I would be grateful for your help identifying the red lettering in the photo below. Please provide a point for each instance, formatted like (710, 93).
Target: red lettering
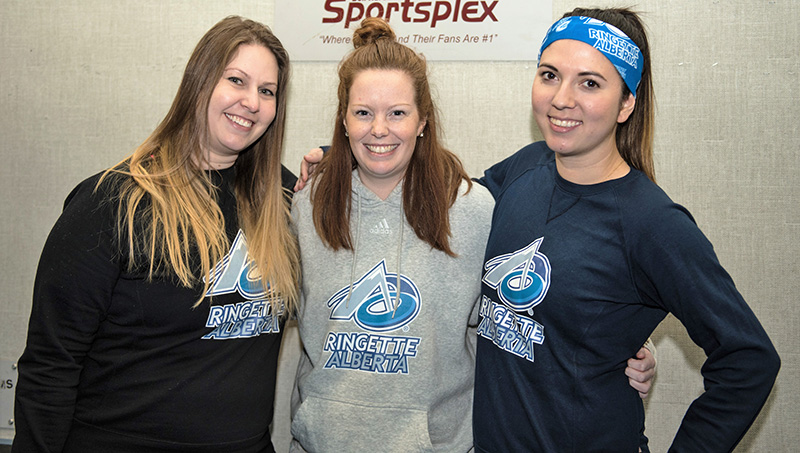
(391, 7)
(406, 5)
(411, 11)
(351, 10)
(437, 16)
(487, 10)
(332, 9)
(425, 13)
(372, 7)
(469, 11)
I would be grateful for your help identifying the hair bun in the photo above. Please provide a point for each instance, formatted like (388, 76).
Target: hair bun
(371, 30)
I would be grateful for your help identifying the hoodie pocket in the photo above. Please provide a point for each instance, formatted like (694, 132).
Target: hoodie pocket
(322, 425)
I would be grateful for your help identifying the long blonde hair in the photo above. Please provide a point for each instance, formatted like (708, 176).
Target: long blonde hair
(168, 209)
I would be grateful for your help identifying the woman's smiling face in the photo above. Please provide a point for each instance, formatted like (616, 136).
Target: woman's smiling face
(577, 99)
(242, 105)
(383, 123)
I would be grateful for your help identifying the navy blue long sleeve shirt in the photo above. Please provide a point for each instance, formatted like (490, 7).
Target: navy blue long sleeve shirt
(576, 278)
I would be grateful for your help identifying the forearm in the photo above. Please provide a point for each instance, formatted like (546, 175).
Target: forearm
(43, 409)
(737, 386)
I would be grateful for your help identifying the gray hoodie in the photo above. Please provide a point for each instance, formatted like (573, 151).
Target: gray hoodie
(377, 375)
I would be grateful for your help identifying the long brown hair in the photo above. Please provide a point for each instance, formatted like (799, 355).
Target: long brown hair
(431, 181)
(167, 205)
(635, 136)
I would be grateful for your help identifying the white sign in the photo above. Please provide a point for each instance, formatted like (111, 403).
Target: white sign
(8, 385)
(322, 30)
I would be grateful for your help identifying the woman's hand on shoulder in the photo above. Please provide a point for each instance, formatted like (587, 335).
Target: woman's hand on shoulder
(307, 167)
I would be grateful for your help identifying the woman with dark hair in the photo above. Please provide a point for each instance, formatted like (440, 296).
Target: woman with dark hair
(587, 255)
(392, 236)
(161, 291)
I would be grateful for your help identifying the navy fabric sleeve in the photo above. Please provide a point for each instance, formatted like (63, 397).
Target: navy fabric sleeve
(77, 272)
(494, 177)
(677, 268)
(501, 174)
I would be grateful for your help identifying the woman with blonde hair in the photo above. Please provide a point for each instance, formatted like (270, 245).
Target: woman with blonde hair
(161, 291)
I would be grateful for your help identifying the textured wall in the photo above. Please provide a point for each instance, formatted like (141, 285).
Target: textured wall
(84, 81)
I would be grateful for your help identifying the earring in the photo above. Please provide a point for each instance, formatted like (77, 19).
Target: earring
(421, 134)
(346, 134)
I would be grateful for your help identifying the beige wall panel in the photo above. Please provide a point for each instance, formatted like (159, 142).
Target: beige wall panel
(84, 81)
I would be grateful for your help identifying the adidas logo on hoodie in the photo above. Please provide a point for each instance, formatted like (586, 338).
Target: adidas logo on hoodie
(381, 228)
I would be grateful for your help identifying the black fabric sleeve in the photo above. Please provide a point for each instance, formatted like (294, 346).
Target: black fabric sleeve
(74, 282)
(287, 179)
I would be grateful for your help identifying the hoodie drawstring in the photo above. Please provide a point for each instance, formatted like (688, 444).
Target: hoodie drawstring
(397, 301)
(355, 249)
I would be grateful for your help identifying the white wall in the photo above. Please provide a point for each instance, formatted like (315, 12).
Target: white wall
(82, 82)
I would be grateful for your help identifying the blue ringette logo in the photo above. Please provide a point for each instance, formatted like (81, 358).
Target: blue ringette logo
(236, 272)
(375, 304)
(520, 278)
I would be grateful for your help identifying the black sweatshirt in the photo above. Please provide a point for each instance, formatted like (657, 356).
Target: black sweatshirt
(115, 362)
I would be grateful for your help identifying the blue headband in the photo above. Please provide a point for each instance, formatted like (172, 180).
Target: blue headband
(620, 50)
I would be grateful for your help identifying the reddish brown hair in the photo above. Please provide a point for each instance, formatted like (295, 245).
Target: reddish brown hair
(431, 182)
